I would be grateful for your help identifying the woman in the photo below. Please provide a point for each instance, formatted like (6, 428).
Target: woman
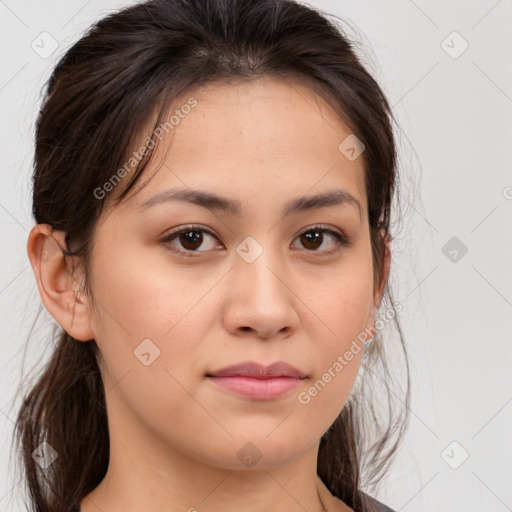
(212, 194)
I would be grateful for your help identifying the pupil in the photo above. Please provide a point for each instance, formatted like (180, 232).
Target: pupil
(192, 239)
(313, 237)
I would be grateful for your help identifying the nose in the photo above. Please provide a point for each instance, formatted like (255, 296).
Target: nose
(261, 302)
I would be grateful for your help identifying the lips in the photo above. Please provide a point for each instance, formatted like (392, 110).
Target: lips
(259, 371)
(256, 381)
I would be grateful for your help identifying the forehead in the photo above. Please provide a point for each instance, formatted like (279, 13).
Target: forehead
(266, 136)
(267, 116)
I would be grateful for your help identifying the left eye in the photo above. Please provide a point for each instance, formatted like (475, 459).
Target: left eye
(316, 236)
(191, 238)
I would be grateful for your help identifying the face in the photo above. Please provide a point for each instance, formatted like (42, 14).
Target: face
(259, 281)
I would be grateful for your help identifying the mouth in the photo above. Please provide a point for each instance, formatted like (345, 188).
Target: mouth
(258, 389)
(257, 381)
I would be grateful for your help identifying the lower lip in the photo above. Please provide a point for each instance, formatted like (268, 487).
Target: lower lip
(259, 389)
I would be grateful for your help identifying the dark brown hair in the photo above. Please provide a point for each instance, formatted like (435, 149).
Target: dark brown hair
(121, 77)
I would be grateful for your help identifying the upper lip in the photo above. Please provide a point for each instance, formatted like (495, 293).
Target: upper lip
(259, 371)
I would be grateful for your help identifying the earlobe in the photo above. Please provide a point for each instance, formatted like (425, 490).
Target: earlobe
(59, 289)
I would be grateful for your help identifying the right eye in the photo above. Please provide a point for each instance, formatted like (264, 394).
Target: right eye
(190, 238)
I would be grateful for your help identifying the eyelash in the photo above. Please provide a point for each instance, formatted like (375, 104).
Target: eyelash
(341, 241)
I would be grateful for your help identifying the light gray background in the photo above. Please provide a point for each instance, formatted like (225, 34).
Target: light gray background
(455, 138)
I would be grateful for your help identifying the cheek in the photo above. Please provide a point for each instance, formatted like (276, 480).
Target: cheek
(139, 294)
(344, 308)
(339, 352)
(346, 300)
(145, 332)
(347, 313)
(152, 314)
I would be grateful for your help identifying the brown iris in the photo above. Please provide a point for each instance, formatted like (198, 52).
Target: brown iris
(191, 239)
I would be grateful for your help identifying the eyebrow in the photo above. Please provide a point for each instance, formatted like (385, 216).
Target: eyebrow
(215, 202)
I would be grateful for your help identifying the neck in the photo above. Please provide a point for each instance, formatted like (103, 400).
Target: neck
(150, 475)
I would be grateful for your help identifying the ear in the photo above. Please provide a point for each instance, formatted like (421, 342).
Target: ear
(379, 287)
(59, 290)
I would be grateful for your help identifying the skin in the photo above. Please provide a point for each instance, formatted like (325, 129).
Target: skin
(174, 434)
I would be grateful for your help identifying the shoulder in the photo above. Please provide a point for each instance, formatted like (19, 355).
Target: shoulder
(337, 505)
(376, 506)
